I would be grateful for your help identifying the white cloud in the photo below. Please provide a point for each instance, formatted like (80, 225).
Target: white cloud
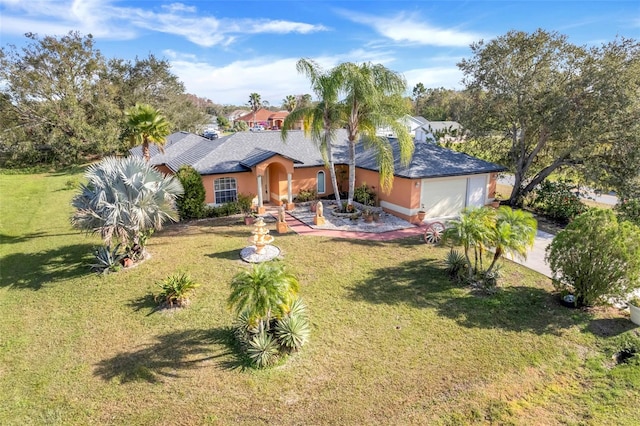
(434, 77)
(105, 19)
(412, 28)
(273, 78)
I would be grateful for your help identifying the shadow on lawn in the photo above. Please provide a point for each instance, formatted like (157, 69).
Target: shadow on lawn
(171, 355)
(34, 270)
(424, 284)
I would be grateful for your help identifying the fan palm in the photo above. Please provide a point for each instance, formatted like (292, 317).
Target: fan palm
(289, 103)
(514, 233)
(124, 198)
(263, 292)
(146, 124)
(320, 121)
(374, 99)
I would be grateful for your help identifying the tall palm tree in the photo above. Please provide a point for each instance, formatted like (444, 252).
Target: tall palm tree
(255, 103)
(146, 124)
(320, 121)
(373, 100)
(263, 292)
(289, 103)
(514, 233)
(124, 198)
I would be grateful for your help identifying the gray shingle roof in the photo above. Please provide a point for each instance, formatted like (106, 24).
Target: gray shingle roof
(243, 150)
(429, 161)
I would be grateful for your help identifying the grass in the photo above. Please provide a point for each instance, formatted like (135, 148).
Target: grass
(393, 341)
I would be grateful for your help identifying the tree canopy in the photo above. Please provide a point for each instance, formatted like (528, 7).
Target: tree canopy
(543, 105)
(63, 102)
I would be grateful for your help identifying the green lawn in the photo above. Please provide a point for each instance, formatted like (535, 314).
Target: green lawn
(393, 341)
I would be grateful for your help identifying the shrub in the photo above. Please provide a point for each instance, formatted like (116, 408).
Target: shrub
(107, 259)
(557, 200)
(596, 258)
(226, 209)
(175, 289)
(263, 350)
(191, 203)
(245, 203)
(306, 195)
(364, 195)
(456, 265)
(292, 331)
(629, 209)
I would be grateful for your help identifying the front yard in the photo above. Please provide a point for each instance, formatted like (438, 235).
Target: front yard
(393, 341)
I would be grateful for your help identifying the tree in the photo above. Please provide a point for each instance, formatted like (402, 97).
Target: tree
(191, 203)
(547, 104)
(146, 124)
(264, 292)
(373, 99)
(514, 233)
(322, 119)
(596, 257)
(289, 103)
(419, 91)
(303, 101)
(255, 103)
(124, 199)
(150, 81)
(223, 122)
(57, 101)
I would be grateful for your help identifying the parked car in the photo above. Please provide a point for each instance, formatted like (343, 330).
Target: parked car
(210, 135)
(256, 129)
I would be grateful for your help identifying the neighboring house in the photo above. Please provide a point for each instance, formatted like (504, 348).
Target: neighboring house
(265, 118)
(423, 130)
(233, 116)
(437, 180)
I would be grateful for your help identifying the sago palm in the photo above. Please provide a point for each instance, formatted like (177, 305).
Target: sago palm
(264, 292)
(146, 124)
(320, 121)
(123, 198)
(374, 98)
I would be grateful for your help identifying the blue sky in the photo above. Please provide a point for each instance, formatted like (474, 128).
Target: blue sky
(225, 50)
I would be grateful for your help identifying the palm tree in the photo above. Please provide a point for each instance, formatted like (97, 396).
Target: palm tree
(374, 99)
(255, 103)
(263, 292)
(289, 103)
(125, 198)
(320, 121)
(471, 230)
(146, 124)
(514, 233)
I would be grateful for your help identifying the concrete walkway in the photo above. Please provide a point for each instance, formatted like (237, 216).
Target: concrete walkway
(535, 257)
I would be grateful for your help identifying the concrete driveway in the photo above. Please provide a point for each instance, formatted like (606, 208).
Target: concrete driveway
(535, 257)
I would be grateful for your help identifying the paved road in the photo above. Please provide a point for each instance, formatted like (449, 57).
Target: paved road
(590, 194)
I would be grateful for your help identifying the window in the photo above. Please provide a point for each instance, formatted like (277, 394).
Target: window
(320, 184)
(225, 190)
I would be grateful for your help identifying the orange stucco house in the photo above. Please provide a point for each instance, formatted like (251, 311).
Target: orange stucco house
(264, 117)
(438, 181)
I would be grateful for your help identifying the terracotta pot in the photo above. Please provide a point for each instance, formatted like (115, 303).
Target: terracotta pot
(290, 206)
(249, 220)
(127, 262)
(421, 215)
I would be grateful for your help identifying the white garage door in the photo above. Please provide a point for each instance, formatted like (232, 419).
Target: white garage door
(443, 198)
(476, 191)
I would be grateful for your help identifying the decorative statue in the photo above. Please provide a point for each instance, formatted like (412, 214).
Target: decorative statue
(281, 214)
(319, 209)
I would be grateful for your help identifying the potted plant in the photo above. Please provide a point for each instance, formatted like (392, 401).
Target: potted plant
(634, 309)
(421, 215)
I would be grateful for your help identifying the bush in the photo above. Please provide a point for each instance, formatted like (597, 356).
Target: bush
(456, 265)
(557, 200)
(191, 203)
(175, 289)
(596, 258)
(629, 209)
(306, 195)
(107, 259)
(226, 209)
(245, 203)
(364, 195)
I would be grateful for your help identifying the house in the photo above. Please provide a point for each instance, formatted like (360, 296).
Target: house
(423, 130)
(233, 116)
(265, 118)
(437, 180)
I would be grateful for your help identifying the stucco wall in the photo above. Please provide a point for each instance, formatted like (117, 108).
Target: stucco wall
(403, 197)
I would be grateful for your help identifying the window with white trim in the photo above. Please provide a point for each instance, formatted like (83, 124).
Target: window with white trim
(225, 190)
(320, 187)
